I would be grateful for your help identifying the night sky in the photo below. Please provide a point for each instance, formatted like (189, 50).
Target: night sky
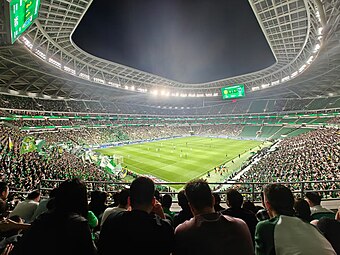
(191, 41)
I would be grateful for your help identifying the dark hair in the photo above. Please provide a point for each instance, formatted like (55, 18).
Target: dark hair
(249, 205)
(302, 209)
(123, 196)
(199, 194)
(3, 186)
(71, 197)
(280, 198)
(314, 197)
(142, 191)
(33, 195)
(182, 199)
(166, 201)
(217, 198)
(234, 198)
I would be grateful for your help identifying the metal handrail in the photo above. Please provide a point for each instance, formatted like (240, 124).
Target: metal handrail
(253, 195)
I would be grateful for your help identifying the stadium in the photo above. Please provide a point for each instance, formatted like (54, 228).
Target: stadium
(66, 113)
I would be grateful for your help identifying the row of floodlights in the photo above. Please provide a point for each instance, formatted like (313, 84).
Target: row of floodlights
(301, 69)
(155, 92)
(42, 55)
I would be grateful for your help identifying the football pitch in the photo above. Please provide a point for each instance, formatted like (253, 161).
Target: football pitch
(180, 159)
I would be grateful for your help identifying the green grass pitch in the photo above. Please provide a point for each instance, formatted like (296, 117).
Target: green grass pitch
(180, 159)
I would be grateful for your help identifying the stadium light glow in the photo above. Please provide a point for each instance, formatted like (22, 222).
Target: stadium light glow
(27, 42)
(30, 94)
(154, 92)
(98, 80)
(287, 78)
(255, 88)
(40, 54)
(14, 92)
(316, 48)
(199, 95)
(265, 85)
(276, 82)
(320, 30)
(132, 88)
(294, 74)
(84, 76)
(54, 62)
(310, 60)
(215, 94)
(69, 70)
(302, 68)
(191, 95)
(317, 14)
(142, 90)
(126, 87)
(114, 84)
(208, 94)
(183, 95)
(165, 93)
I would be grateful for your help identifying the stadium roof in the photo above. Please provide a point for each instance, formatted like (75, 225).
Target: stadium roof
(303, 36)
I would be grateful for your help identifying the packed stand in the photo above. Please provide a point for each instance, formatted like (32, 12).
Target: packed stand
(308, 157)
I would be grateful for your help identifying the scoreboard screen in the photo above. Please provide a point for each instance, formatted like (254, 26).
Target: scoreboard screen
(235, 91)
(22, 13)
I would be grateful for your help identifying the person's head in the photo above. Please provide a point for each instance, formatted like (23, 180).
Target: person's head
(302, 209)
(51, 201)
(279, 200)
(200, 197)
(142, 192)
(217, 198)
(182, 200)
(313, 198)
(4, 190)
(234, 198)
(34, 195)
(250, 206)
(166, 201)
(71, 197)
(123, 198)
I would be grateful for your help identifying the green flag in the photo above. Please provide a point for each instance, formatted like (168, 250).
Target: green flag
(27, 145)
(39, 144)
(108, 164)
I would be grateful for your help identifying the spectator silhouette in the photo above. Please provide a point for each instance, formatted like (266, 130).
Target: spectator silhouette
(318, 211)
(249, 205)
(138, 230)
(302, 209)
(43, 204)
(217, 205)
(283, 233)
(262, 213)
(185, 212)
(210, 232)
(4, 191)
(63, 230)
(26, 209)
(234, 201)
(330, 228)
(98, 205)
(166, 204)
(123, 205)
